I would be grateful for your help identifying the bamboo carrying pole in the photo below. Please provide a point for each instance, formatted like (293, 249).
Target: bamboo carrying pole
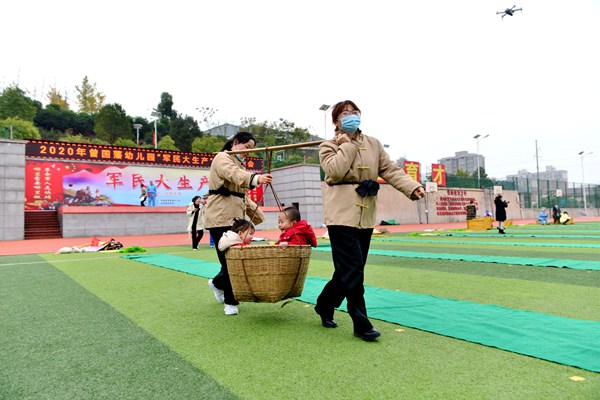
(276, 148)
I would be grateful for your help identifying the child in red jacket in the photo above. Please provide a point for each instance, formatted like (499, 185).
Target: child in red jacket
(294, 230)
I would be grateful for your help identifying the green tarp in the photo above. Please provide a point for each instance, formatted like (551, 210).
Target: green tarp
(418, 240)
(563, 340)
(536, 262)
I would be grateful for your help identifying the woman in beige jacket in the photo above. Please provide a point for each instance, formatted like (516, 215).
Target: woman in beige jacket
(195, 213)
(227, 200)
(352, 163)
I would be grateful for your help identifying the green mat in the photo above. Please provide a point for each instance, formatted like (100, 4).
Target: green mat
(562, 340)
(536, 262)
(523, 234)
(532, 244)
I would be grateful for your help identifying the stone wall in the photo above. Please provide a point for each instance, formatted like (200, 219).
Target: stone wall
(125, 221)
(298, 184)
(445, 205)
(12, 189)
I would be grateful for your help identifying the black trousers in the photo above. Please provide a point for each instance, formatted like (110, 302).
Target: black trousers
(221, 280)
(196, 237)
(349, 250)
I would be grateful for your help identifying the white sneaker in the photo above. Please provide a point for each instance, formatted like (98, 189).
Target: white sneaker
(219, 294)
(231, 310)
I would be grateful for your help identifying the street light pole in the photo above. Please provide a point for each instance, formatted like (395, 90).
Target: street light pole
(156, 115)
(583, 153)
(137, 128)
(478, 137)
(324, 108)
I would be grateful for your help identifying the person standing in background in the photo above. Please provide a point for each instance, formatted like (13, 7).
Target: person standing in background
(500, 212)
(195, 213)
(151, 191)
(556, 214)
(471, 209)
(143, 195)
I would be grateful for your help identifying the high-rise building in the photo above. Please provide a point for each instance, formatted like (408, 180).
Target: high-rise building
(464, 161)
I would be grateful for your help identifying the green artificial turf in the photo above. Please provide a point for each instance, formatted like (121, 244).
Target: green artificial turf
(59, 341)
(269, 352)
(525, 332)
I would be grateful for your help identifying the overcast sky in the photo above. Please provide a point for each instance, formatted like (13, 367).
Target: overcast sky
(428, 75)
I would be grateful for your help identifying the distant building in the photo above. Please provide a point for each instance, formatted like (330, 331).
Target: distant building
(464, 161)
(227, 130)
(551, 178)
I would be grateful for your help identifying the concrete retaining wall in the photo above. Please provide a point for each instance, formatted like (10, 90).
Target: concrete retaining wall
(12, 189)
(298, 184)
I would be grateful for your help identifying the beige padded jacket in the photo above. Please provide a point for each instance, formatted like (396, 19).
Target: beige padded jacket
(228, 171)
(361, 159)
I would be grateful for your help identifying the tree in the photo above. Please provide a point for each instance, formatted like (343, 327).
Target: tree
(206, 116)
(279, 133)
(145, 131)
(112, 123)
(463, 174)
(165, 107)
(14, 103)
(20, 129)
(89, 98)
(208, 144)
(125, 143)
(166, 143)
(55, 97)
(183, 130)
(52, 117)
(482, 173)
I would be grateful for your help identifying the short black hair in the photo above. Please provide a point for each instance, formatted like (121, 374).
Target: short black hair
(292, 213)
(241, 225)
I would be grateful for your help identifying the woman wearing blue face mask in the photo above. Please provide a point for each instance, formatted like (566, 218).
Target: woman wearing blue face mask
(352, 161)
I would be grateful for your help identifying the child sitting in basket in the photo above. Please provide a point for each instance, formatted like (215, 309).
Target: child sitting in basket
(240, 234)
(294, 230)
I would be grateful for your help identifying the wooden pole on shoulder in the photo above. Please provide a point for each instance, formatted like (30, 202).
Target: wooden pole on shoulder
(276, 148)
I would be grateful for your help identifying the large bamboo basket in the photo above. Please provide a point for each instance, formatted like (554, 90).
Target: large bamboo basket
(267, 274)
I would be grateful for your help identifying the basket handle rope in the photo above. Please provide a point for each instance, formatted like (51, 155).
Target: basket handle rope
(269, 159)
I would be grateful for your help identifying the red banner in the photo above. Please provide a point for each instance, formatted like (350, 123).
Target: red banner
(59, 173)
(438, 174)
(124, 155)
(412, 168)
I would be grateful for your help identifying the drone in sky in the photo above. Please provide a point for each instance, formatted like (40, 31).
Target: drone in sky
(509, 11)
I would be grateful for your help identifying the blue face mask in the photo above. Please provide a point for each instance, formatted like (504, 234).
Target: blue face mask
(350, 123)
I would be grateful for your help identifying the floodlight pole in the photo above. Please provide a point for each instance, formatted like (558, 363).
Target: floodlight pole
(478, 137)
(324, 108)
(137, 128)
(156, 116)
(582, 153)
